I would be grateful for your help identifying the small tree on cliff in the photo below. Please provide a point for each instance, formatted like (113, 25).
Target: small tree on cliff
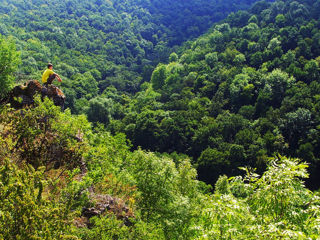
(9, 60)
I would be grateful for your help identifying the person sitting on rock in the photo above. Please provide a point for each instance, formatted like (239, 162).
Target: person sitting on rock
(49, 75)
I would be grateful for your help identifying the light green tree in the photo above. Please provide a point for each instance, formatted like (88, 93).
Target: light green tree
(158, 77)
(9, 60)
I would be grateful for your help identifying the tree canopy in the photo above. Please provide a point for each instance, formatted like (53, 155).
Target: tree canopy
(182, 122)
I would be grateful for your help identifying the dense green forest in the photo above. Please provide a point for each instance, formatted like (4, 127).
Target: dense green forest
(167, 134)
(102, 43)
(60, 178)
(247, 90)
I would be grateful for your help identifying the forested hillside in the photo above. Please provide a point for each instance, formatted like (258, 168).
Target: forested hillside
(167, 134)
(97, 44)
(62, 179)
(246, 90)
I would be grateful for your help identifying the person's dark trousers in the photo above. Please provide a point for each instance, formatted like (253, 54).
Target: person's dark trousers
(44, 91)
(50, 79)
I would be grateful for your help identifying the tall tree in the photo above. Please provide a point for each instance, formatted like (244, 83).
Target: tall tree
(9, 60)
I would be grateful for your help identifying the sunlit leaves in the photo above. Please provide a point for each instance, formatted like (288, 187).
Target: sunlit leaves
(9, 60)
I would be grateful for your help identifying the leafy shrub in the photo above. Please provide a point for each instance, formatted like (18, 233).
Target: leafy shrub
(27, 210)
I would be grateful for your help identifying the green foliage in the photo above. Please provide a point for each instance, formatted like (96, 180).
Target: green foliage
(239, 83)
(169, 195)
(108, 227)
(256, 66)
(246, 90)
(100, 110)
(275, 205)
(211, 59)
(44, 135)
(277, 82)
(162, 195)
(158, 77)
(222, 185)
(9, 60)
(98, 44)
(173, 57)
(26, 210)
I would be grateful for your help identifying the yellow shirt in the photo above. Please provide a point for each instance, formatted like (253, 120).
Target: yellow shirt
(46, 74)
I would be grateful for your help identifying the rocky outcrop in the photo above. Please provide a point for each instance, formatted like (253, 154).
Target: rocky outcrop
(104, 204)
(23, 95)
